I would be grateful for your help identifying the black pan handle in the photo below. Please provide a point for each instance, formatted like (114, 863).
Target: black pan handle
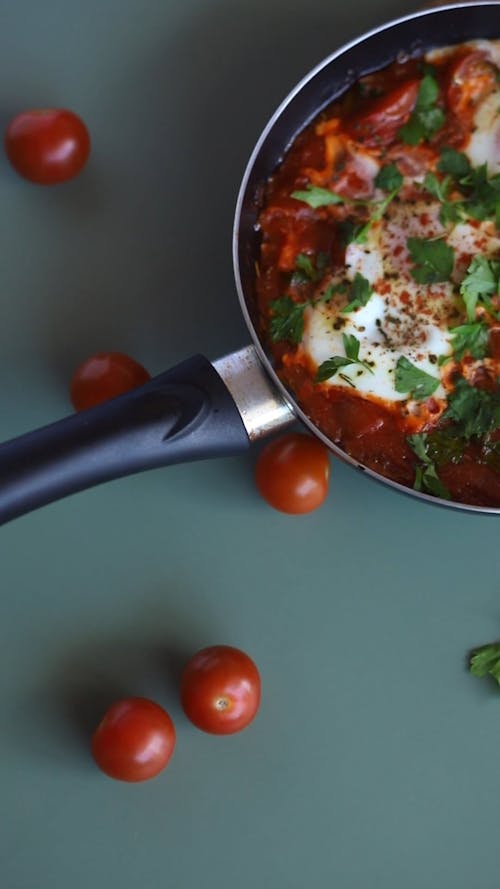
(183, 414)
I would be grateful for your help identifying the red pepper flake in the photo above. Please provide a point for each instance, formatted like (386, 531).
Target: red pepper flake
(382, 286)
(432, 405)
(404, 297)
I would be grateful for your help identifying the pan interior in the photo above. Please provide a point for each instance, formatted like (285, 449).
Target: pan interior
(407, 37)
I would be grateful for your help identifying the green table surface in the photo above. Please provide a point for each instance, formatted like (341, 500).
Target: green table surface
(374, 761)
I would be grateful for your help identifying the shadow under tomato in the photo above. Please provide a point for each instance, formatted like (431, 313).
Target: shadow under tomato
(144, 657)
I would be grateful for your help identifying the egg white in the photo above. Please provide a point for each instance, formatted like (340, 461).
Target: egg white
(484, 144)
(403, 317)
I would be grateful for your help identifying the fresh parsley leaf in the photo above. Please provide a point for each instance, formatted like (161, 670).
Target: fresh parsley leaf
(287, 320)
(470, 339)
(428, 92)
(451, 211)
(304, 264)
(445, 445)
(330, 367)
(381, 207)
(483, 194)
(433, 260)
(351, 346)
(426, 477)
(317, 197)
(426, 118)
(432, 484)
(326, 295)
(437, 187)
(431, 119)
(351, 232)
(481, 281)
(389, 178)
(417, 383)
(307, 270)
(413, 131)
(418, 444)
(454, 162)
(476, 411)
(485, 661)
(360, 293)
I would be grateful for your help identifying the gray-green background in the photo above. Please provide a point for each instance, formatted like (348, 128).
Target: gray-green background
(374, 761)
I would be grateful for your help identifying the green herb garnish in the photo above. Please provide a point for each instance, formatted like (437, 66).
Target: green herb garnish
(410, 379)
(426, 477)
(389, 178)
(485, 661)
(454, 163)
(317, 197)
(351, 232)
(475, 411)
(360, 293)
(437, 187)
(426, 118)
(482, 194)
(433, 260)
(470, 339)
(330, 367)
(451, 211)
(287, 320)
(481, 282)
(309, 269)
(445, 446)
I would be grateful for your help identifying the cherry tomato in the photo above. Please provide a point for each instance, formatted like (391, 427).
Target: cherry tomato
(220, 690)
(47, 145)
(471, 78)
(134, 741)
(103, 376)
(292, 473)
(378, 123)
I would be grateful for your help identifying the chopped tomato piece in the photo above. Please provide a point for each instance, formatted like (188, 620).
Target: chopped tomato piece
(379, 121)
(471, 78)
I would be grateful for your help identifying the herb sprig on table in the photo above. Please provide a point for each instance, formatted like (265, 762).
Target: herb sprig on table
(485, 661)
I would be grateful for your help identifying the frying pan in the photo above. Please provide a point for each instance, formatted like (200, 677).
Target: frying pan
(199, 409)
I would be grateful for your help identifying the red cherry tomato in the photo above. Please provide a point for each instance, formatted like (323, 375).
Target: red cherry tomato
(220, 690)
(378, 123)
(292, 473)
(47, 145)
(134, 741)
(103, 376)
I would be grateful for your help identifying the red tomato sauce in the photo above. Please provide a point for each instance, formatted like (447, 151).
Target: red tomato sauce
(370, 115)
